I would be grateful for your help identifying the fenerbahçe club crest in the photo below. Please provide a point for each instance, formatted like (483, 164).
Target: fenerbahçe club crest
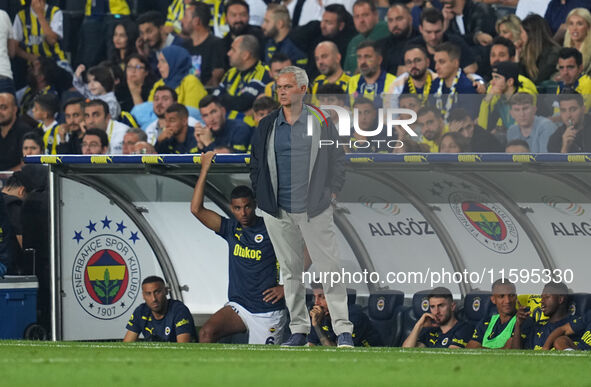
(106, 271)
(488, 223)
(479, 213)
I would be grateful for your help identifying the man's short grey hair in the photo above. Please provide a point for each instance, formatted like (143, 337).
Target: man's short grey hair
(250, 44)
(141, 135)
(300, 74)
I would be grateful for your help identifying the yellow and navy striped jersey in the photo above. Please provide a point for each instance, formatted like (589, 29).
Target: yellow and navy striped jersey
(50, 138)
(358, 87)
(105, 7)
(218, 16)
(581, 86)
(242, 83)
(176, 11)
(287, 47)
(342, 82)
(496, 111)
(34, 42)
(271, 90)
(127, 119)
(434, 145)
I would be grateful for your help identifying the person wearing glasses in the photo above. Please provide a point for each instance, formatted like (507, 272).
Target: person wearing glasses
(95, 142)
(139, 81)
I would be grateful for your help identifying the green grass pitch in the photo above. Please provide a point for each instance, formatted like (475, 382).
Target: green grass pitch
(170, 365)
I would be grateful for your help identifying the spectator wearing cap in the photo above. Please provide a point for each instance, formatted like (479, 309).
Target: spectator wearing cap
(494, 108)
(504, 50)
(528, 126)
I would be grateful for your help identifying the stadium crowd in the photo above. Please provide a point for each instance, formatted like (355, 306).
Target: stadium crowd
(190, 76)
(181, 76)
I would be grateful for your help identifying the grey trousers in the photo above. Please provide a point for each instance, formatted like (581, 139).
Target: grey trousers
(290, 235)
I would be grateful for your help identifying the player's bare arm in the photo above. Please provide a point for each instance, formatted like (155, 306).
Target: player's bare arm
(209, 218)
(274, 294)
(426, 320)
(130, 337)
(565, 330)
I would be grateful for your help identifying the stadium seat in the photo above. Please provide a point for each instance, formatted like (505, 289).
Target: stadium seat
(580, 305)
(477, 305)
(420, 305)
(384, 312)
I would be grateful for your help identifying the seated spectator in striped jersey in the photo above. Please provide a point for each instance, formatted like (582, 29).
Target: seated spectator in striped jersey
(372, 81)
(45, 108)
(328, 62)
(452, 82)
(39, 28)
(244, 81)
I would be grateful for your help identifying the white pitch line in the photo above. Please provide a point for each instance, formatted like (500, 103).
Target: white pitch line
(245, 347)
